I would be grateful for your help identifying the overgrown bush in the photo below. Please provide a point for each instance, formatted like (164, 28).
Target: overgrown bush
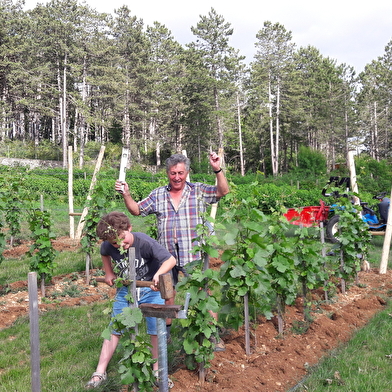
(270, 196)
(373, 176)
(48, 186)
(28, 150)
(310, 162)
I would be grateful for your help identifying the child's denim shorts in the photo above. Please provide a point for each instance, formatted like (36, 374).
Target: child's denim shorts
(145, 295)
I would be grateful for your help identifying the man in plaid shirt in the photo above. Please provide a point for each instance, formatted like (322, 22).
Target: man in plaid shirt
(179, 207)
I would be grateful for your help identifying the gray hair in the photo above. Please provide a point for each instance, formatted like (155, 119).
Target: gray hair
(176, 159)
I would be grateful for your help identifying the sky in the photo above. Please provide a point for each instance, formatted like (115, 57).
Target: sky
(348, 31)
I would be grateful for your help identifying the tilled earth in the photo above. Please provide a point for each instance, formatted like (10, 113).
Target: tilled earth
(277, 363)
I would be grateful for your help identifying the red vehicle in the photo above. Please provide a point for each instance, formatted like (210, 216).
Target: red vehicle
(313, 215)
(308, 216)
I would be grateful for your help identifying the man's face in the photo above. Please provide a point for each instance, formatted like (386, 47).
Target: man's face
(177, 176)
(123, 241)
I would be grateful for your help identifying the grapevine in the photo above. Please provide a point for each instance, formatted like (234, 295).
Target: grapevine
(41, 251)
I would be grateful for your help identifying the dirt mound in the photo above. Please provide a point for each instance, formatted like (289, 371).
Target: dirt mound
(60, 244)
(64, 290)
(277, 363)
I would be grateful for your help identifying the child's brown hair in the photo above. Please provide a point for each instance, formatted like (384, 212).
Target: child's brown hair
(112, 225)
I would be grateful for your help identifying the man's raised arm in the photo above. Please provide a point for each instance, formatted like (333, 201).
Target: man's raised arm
(221, 181)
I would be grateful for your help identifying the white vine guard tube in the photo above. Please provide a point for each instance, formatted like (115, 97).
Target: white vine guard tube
(123, 165)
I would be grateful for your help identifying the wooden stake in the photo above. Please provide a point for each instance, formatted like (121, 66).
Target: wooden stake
(93, 181)
(183, 152)
(353, 175)
(34, 333)
(214, 206)
(387, 242)
(70, 195)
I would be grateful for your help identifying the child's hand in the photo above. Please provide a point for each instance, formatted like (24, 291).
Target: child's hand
(155, 280)
(109, 279)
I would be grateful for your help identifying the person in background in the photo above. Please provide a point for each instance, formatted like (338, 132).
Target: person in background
(151, 260)
(179, 208)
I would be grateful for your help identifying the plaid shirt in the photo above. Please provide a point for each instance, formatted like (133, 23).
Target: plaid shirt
(179, 226)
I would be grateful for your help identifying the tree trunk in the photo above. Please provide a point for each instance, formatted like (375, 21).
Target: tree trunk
(81, 144)
(277, 135)
(271, 124)
(240, 137)
(82, 127)
(64, 133)
(158, 153)
(375, 131)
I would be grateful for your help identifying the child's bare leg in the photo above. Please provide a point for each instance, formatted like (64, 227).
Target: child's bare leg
(154, 350)
(107, 351)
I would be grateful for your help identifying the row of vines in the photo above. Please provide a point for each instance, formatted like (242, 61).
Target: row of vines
(267, 264)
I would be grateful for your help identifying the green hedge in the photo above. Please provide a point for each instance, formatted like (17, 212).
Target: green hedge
(269, 192)
(272, 197)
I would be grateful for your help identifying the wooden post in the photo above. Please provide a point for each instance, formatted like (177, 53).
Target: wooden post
(214, 206)
(34, 333)
(387, 242)
(70, 194)
(242, 165)
(342, 281)
(132, 276)
(323, 254)
(247, 324)
(93, 181)
(161, 312)
(133, 291)
(43, 274)
(183, 152)
(353, 175)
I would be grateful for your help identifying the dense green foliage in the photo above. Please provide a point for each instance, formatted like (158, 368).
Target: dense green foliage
(354, 239)
(262, 261)
(41, 251)
(301, 188)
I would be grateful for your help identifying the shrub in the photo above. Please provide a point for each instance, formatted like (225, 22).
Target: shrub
(310, 161)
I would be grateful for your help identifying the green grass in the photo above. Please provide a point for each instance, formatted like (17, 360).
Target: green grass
(70, 343)
(376, 251)
(362, 363)
(12, 270)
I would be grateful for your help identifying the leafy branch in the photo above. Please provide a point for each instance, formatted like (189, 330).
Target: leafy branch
(201, 283)
(97, 205)
(41, 251)
(354, 240)
(309, 263)
(136, 362)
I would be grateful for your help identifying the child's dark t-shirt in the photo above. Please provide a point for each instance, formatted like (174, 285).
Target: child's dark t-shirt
(149, 256)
